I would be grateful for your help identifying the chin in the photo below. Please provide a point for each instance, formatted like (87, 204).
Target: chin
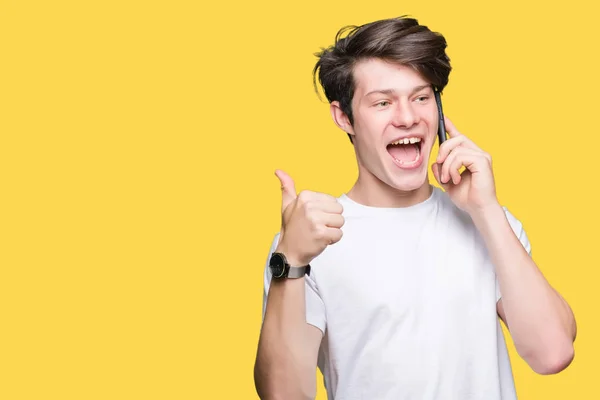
(408, 183)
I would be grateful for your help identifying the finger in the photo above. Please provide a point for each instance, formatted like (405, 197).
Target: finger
(470, 159)
(448, 146)
(456, 139)
(288, 189)
(455, 166)
(333, 220)
(333, 235)
(307, 196)
(328, 207)
(435, 167)
(450, 128)
(446, 176)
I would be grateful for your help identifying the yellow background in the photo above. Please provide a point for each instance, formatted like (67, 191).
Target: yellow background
(138, 200)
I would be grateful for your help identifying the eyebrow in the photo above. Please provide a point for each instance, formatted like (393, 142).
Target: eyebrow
(392, 91)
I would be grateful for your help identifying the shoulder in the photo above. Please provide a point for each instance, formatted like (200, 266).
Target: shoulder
(515, 222)
(447, 203)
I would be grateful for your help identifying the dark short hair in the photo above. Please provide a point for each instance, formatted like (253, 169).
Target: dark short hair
(399, 40)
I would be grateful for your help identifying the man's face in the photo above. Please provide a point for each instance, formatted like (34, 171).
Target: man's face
(391, 103)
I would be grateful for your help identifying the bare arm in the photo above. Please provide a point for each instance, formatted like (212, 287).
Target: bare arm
(540, 321)
(286, 361)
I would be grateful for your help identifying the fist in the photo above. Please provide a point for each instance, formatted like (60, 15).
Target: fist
(310, 222)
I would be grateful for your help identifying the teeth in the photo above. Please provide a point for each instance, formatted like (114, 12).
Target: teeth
(407, 141)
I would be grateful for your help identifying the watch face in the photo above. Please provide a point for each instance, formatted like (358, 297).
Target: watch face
(277, 265)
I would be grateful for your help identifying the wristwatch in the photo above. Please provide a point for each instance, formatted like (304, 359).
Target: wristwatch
(281, 269)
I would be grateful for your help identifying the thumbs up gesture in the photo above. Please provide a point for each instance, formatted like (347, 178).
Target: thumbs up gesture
(310, 222)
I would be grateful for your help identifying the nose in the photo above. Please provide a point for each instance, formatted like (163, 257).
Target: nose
(405, 116)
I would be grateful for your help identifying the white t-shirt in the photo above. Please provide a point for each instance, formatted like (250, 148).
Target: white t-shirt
(406, 301)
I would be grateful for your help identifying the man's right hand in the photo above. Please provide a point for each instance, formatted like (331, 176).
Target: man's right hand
(310, 222)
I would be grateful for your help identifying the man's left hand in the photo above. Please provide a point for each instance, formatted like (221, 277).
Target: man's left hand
(474, 189)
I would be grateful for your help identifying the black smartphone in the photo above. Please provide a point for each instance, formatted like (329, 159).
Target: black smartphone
(441, 125)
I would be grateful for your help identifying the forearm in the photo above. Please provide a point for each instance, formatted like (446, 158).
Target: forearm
(540, 321)
(284, 367)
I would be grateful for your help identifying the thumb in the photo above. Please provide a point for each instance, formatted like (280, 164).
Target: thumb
(288, 189)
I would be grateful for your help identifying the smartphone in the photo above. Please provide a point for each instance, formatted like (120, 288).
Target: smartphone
(441, 125)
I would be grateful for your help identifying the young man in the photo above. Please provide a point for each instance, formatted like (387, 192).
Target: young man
(396, 288)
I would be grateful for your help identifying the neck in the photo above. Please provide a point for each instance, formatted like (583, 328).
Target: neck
(376, 193)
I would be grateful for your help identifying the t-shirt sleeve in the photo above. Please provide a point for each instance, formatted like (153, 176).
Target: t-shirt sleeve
(315, 308)
(519, 231)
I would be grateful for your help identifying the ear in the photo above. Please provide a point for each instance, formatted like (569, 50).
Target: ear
(340, 118)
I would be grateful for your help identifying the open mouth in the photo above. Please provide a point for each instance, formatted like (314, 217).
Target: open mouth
(406, 152)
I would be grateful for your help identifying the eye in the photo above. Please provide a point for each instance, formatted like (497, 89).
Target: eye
(422, 99)
(382, 103)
